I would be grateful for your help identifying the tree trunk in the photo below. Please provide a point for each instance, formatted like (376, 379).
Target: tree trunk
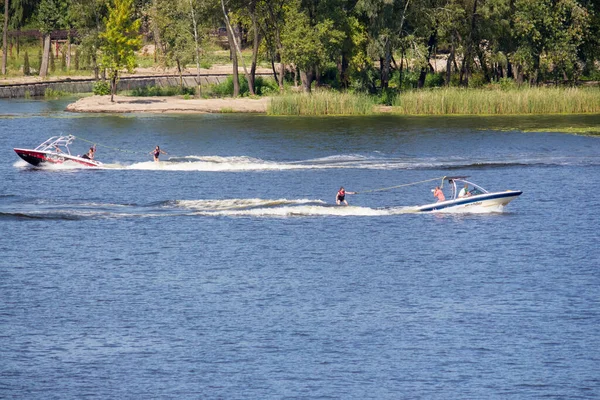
(307, 78)
(180, 74)
(385, 63)
(197, 49)
(68, 56)
(236, 49)
(95, 64)
(113, 85)
(255, 45)
(281, 74)
(233, 55)
(5, 38)
(425, 69)
(465, 71)
(344, 79)
(45, 56)
(449, 64)
(484, 66)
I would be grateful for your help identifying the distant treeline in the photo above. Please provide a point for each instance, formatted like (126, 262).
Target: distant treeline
(372, 46)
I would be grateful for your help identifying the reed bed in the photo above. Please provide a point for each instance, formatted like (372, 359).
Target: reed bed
(497, 102)
(321, 103)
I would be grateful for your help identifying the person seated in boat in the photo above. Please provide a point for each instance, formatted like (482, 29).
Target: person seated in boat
(464, 192)
(90, 154)
(341, 196)
(437, 192)
(157, 152)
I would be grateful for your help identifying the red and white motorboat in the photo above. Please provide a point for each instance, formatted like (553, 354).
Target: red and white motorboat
(55, 151)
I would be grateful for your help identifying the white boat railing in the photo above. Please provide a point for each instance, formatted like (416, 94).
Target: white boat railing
(57, 143)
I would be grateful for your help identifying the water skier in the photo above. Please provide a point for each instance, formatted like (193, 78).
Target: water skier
(341, 196)
(157, 152)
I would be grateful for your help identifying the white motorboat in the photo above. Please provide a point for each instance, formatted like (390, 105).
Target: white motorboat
(473, 199)
(55, 151)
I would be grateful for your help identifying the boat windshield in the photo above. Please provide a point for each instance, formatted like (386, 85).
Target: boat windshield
(458, 183)
(57, 144)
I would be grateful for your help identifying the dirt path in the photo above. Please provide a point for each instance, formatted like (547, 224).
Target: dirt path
(124, 104)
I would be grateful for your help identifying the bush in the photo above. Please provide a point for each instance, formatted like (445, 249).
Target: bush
(101, 88)
(435, 80)
(151, 91)
(477, 80)
(54, 94)
(262, 87)
(387, 97)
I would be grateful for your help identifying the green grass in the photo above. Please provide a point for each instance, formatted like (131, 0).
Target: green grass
(583, 131)
(498, 102)
(321, 103)
(151, 91)
(56, 94)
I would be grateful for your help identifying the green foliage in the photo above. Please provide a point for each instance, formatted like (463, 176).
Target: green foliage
(435, 80)
(481, 101)
(262, 87)
(101, 88)
(171, 22)
(52, 15)
(151, 91)
(321, 103)
(50, 93)
(120, 40)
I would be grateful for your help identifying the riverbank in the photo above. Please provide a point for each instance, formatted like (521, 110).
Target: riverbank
(452, 101)
(125, 104)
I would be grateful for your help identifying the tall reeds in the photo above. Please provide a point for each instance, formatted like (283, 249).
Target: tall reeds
(498, 102)
(321, 103)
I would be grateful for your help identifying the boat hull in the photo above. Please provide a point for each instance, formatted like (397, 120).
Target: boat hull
(483, 202)
(37, 158)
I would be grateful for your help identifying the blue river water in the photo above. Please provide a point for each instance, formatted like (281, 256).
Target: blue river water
(226, 270)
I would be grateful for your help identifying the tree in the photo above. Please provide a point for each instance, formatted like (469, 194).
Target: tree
(5, 38)
(87, 18)
(51, 16)
(120, 41)
(169, 20)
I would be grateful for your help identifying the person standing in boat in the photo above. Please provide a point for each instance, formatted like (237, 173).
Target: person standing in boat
(437, 192)
(341, 196)
(157, 152)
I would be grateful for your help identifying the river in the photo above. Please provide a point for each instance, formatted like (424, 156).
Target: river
(226, 270)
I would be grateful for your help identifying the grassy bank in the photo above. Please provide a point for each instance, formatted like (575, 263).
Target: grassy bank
(321, 103)
(444, 101)
(456, 101)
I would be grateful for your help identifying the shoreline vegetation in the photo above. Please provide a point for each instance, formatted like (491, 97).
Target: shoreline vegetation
(438, 101)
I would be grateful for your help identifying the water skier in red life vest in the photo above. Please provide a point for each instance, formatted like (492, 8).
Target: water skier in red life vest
(341, 196)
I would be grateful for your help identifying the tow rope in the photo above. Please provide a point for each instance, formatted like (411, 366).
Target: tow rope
(112, 148)
(403, 185)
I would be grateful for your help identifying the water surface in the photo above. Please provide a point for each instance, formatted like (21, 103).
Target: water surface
(226, 271)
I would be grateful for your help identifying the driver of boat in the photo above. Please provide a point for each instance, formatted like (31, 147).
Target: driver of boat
(437, 192)
(90, 154)
(464, 192)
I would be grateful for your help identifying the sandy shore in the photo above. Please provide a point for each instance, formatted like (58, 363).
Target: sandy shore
(124, 104)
